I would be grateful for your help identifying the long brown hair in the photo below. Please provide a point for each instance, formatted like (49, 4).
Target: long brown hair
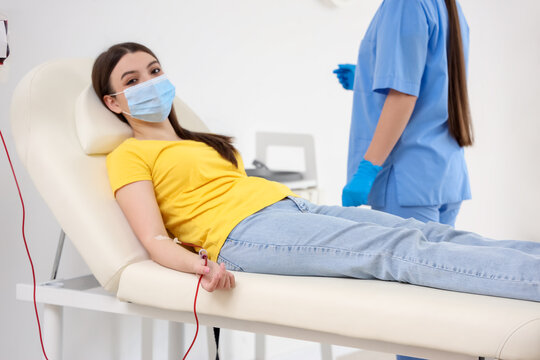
(101, 73)
(459, 115)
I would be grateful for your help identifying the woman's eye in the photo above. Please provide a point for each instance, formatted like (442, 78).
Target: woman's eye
(156, 71)
(131, 81)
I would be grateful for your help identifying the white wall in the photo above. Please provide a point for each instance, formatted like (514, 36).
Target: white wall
(504, 85)
(263, 65)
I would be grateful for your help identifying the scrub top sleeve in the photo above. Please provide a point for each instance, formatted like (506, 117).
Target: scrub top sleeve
(401, 47)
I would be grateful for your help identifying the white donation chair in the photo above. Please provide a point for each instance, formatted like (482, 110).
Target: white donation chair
(62, 134)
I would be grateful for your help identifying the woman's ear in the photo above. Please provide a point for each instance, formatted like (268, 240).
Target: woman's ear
(112, 104)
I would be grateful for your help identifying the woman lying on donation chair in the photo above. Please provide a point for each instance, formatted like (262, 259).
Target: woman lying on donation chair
(174, 183)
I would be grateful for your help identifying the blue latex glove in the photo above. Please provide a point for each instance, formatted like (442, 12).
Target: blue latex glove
(345, 75)
(356, 192)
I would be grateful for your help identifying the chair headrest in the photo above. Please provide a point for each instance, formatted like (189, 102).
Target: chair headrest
(98, 129)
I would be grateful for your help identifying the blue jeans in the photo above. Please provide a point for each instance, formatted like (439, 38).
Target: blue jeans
(296, 237)
(444, 213)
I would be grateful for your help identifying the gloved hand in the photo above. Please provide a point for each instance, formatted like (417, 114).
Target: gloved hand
(356, 192)
(345, 75)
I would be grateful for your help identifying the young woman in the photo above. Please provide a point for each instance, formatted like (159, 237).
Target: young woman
(410, 117)
(173, 183)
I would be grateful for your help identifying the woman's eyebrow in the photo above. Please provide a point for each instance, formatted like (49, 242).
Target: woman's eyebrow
(127, 73)
(152, 63)
(134, 71)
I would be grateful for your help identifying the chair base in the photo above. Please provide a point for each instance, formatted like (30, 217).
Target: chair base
(85, 293)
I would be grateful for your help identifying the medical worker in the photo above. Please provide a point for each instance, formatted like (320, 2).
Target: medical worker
(410, 118)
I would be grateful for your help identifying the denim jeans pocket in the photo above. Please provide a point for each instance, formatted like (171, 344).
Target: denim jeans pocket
(229, 265)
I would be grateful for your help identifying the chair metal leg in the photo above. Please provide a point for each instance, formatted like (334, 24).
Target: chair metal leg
(53, 331)
(210, 344)
(176, 340)
(59, 249)
(147, 338)
(217, 332)
(326, 351)
(260, 347)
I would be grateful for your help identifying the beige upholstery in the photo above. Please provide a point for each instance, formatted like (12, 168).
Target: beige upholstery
(52, 135)
(74, 185)
(357, 310)
(100, 131)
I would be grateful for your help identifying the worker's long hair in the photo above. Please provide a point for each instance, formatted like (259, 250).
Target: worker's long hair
(101, 73)
(459, 115)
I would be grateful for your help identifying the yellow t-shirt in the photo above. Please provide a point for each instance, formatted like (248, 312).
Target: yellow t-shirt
(201, 196)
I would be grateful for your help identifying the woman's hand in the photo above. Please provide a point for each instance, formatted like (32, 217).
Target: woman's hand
(215, 276)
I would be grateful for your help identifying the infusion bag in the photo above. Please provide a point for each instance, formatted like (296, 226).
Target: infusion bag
(4, 47)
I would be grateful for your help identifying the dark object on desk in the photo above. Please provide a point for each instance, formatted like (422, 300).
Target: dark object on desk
(261, 170)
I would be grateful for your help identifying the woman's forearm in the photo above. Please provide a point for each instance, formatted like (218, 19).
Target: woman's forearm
(213, 276)
(166, 253)
(138, 203)
(395, 115)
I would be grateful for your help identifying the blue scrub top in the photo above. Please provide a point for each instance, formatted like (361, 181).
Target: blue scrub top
(405, 49)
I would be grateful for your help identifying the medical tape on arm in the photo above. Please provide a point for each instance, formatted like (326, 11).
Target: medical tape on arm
(202, 252)
(162, 237)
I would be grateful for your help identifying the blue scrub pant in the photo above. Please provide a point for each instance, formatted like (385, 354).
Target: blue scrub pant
(444, 214)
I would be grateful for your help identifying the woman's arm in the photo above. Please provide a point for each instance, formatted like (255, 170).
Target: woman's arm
(395, 115)
(139, 205)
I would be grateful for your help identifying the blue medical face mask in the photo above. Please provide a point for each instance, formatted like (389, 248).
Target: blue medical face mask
(151, 100)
